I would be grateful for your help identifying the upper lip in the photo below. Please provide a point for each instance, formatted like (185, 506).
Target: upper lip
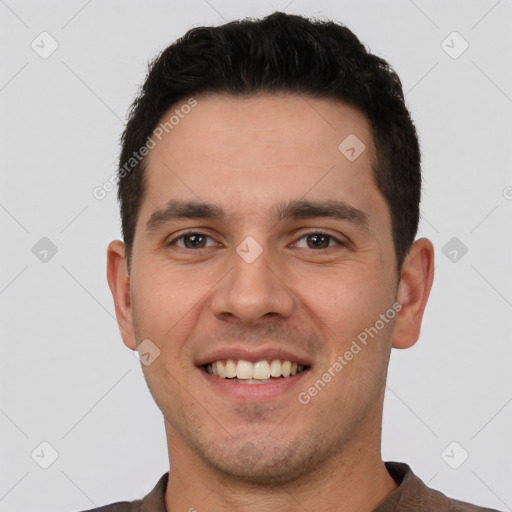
(254, 355)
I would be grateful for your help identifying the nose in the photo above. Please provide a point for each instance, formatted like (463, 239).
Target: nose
(251, 291)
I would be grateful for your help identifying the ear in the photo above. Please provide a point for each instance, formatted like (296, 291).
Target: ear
(119, 284)
(414, 288)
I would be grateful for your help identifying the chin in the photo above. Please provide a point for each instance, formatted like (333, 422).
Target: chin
(270, 466)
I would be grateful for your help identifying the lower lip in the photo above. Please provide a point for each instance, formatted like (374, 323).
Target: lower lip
(254, 392)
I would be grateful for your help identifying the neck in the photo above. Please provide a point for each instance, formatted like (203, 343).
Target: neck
(355, 479)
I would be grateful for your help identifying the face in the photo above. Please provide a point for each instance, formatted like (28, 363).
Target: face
(259, 240)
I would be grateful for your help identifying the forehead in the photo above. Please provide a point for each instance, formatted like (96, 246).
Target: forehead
(222, 125)
(247, 153)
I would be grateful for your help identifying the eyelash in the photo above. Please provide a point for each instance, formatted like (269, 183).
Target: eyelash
(312, 233)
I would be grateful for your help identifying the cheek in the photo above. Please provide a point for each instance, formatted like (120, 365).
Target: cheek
(345, 304)
(349, 305)
(164, 309)
(347, 297)
(164, 304)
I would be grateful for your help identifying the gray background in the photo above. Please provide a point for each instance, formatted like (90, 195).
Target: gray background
(66, 377)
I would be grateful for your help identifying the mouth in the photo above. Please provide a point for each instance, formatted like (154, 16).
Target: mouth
(265, 371)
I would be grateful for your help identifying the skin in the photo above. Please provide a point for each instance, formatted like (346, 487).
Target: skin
(245, 155)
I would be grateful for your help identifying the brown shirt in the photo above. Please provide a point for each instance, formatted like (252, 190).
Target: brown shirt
(410, 495)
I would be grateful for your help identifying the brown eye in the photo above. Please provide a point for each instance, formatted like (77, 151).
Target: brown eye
(193, 241)
(318, 241)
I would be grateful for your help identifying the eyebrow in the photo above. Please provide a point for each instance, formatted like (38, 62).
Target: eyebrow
(338, 210)
(297, 209)
(178, 209)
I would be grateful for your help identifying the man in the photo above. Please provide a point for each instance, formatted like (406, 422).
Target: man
(270, 186)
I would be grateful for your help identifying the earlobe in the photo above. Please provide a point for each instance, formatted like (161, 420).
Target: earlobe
(119, 284)
(414, 288)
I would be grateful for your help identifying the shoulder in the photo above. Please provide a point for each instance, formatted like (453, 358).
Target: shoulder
(412, 494)
(120, 506)
(462, 506)
(445, 503)
(440, 502)
(152, 502)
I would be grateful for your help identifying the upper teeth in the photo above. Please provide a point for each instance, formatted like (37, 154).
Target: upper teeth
(260, 370)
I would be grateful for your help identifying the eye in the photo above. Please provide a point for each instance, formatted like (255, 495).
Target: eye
(319, 241)
(192, 240)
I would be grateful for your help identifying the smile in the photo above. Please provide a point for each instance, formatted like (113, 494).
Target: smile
(259, 372)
